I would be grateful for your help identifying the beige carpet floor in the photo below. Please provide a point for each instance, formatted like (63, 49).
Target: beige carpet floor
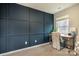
(45, 50)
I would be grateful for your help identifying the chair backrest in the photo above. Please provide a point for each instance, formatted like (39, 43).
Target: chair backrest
(73, 31)
(56, 40)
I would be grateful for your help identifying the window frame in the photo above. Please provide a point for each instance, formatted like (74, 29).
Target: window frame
(61, 19)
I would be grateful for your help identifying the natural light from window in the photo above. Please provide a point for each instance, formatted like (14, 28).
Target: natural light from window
(63, 26)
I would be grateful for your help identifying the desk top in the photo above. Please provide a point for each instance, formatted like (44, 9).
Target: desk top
(68, 36)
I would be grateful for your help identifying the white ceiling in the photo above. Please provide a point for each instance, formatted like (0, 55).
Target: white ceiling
(48, 7)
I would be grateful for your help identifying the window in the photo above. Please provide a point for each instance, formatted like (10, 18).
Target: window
(63, 26)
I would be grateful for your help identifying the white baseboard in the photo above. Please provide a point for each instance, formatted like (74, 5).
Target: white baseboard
(4, 54)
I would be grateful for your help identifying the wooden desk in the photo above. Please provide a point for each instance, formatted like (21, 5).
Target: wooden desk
(69, 41)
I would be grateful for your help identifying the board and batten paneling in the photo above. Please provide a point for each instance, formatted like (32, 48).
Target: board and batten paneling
(21, 27)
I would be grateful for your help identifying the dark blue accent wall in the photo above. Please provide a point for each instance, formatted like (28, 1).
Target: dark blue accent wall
(20, 24)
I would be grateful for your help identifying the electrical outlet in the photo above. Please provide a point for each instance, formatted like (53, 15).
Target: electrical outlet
(25, 42)
(35, 41)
